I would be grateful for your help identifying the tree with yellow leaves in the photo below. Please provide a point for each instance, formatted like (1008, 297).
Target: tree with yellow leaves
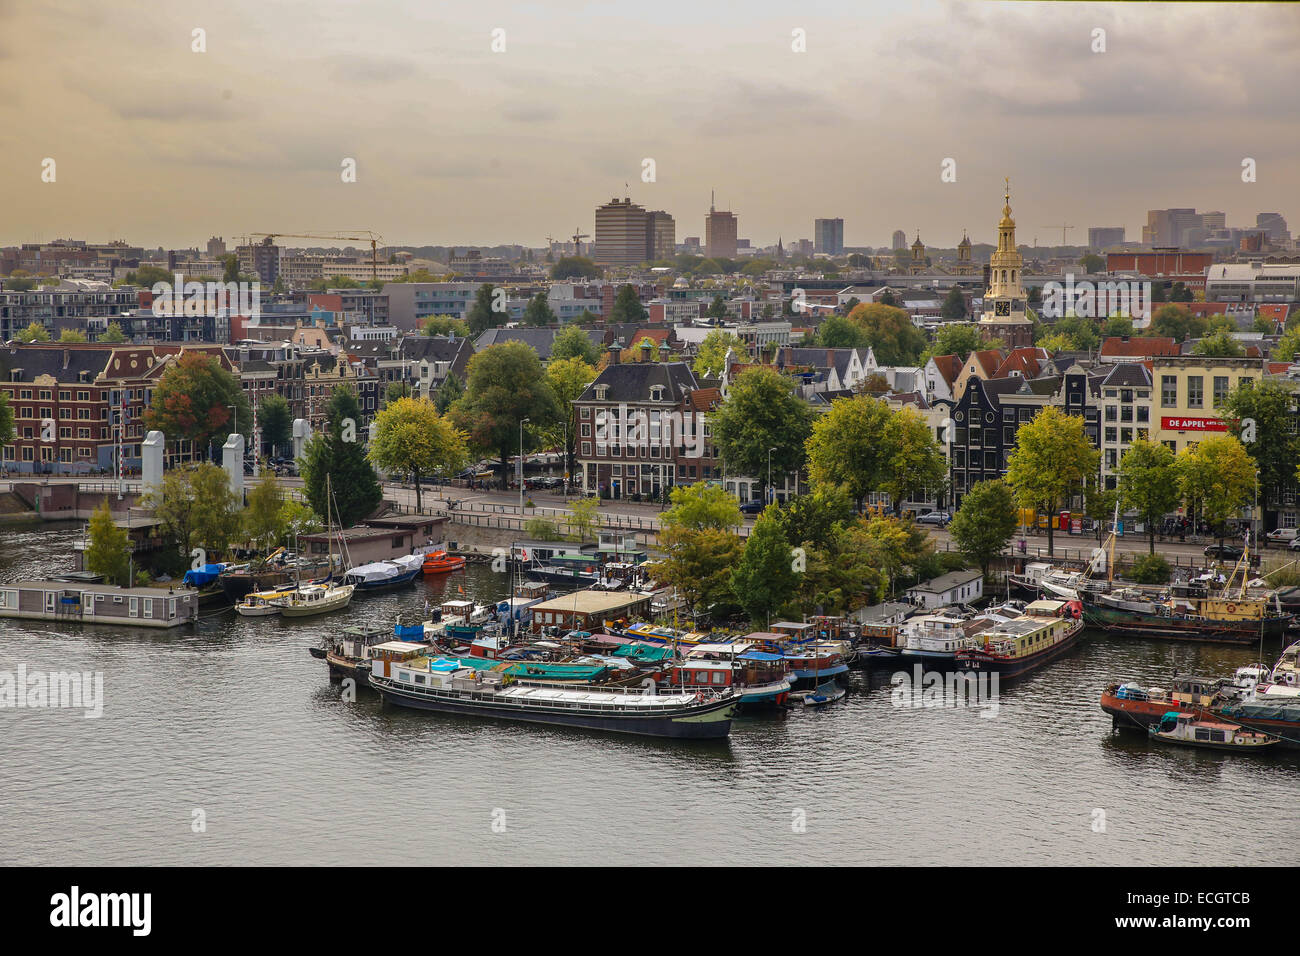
(410, 436)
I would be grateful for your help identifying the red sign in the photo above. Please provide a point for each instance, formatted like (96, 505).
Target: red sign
(1193, 424)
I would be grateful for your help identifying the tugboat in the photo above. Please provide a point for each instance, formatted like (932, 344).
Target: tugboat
(1045, 632)
(1187, 730)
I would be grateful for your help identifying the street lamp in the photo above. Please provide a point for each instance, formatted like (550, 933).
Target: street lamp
(770, 492)
(521, 468)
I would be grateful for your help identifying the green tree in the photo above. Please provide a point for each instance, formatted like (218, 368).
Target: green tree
(1092, 264)
(538, 312)
(448, 392)
(112, 335)
(627, 307)
(954, 306)
(193, 401)
(913, 460)
(482, 315)
(1051, 459)
(275, 421)
(568, 379)
(396, 390)
(1176, 322)
(1219, 345)
(106, 553)
(6, 419)
(890, 333)
(572, 342)
(984, 523)
(698, 564)
(762, 420)
(701, 506)
(410, 436)
(506, 385)
(33, 333)
(1148, 484)
(710, 357)
(575, 267)
(838, 332)
(584, 519)
(445, 325)
(542, 529)
(957, 338)
(816, 518)
(899, 548)
(73, 336)
(1218, 477)
(1260, 413)
(197, 509)
(764, 579)
(261, 518)
(846, 446)
(338, 480)
(717, 309)
(1118, 326)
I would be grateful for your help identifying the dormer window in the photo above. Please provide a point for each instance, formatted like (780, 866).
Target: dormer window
(602, 392)
(656, 393)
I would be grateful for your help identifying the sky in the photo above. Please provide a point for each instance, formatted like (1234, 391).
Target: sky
(457, 144)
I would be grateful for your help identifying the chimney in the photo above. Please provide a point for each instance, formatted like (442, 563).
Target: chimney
(615, 354)
(67, 358)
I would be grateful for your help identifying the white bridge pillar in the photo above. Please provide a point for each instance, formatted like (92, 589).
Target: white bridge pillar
(301, 432)
(151, 462)
(232, 459)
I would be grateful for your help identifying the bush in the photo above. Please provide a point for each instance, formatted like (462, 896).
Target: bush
(1283, 576)
(1150, 569)
(542, 529)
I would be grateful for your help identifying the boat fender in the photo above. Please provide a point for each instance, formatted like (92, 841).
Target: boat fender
(1232, 609)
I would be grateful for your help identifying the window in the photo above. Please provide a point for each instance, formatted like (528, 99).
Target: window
(1195, 391)
(1168, 391)
(1111, 413)
(1220, 389)
(1143, 413)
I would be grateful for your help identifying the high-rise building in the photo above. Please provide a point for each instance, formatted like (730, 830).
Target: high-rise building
(1272, 224)
(660, 235)
(216, 247)
(1100, 237)
(828, 236)
(620, 233)
(262, 258)
(720, 232)
(900, 240)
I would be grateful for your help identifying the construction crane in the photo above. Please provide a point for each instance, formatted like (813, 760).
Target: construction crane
(375, 240)
(577, 240)
(1064, 227)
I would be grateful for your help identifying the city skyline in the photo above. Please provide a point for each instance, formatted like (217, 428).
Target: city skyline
(455, 144)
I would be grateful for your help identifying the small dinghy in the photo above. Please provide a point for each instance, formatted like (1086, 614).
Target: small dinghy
(823, 694)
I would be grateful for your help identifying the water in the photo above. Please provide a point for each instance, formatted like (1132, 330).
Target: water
(233, 718)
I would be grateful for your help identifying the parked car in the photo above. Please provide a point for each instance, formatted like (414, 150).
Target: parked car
(1282, 534)
(752, 507)
(1224, 552)
(940, 518)
(1295, 544)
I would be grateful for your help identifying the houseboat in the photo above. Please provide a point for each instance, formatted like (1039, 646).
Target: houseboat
(760, 678)
(933, 638)
(348, 653)
(1188, 730)
(1187, 612)
(1132, 705)
(430, 683)
(99, 604)
(1045, 632)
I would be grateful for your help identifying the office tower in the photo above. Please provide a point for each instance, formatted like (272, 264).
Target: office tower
(828, 236)
(620, 233)
(720, 233)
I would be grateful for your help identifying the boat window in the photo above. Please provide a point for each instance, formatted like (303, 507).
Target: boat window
(1202, 733)
(419, 678)
(1216, 736)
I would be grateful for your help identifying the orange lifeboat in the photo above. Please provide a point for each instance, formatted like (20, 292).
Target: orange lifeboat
(440, 562)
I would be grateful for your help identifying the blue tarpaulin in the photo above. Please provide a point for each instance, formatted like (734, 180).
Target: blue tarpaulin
(760, 656)
(202, 578)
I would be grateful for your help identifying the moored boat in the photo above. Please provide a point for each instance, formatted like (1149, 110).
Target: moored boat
(258, 603)
(440, 562)
(313, 599)
(384, 575)
(1189, 730)
(1132, 705)
(1045, 632)
(427, 683)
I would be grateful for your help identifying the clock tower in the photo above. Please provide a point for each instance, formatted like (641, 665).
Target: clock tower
(1004, 302)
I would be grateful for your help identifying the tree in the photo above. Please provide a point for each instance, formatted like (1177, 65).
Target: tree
(1148, 484)
(717, 309)
(261, 516)
(568, 379)
(275, 421)
(846, 448)
(837, 332)
(572, 342)
(698, 564)
(575, 267)
(899, 548)
(1177, 323)
(410, 436)
(762, 420)
(954, 306)
(541, 529)
(482, 314)
(890, 333)
(506, 385)
(113, 334)
(1219, 345)
(956, 338)
(396, 390)
(193, 399)
(815, 519)
(1051, 459)
(1117, 326)
(1091, 263)
(34, 333)
(445, 325)
(6, 420)
(764, 579)
(710, 357)
(448, 392)
(1260, 413)
(584, 519)
(197, 509)
(701, 506)
(1218, 477)
(913, 459)
(106, 553)
(1099, 504)
(338, 480)
(538, 312)
(627, 307)
(984, 523)
(73, 336)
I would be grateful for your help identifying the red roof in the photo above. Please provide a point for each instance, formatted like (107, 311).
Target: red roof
(949, 366)
(1139, 346)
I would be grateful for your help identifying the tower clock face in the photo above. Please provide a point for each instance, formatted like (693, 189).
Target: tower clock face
(1002, 308)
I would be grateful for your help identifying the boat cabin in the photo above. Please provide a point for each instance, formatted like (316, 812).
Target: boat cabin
(698, 674)
(384, 657)
(355, 642)
(99, 604)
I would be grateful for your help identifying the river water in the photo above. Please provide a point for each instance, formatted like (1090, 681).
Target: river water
(225, 743)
